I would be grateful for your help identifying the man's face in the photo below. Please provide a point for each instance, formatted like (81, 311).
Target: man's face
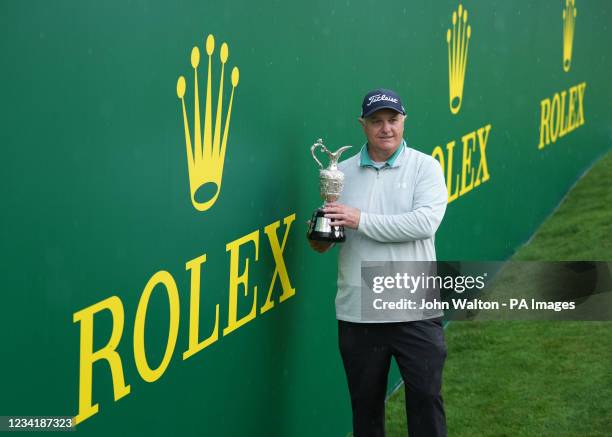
(384, 130)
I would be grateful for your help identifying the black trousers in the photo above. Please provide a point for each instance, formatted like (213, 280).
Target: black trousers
(419, 350)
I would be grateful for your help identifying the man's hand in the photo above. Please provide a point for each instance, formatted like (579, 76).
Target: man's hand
(342, 215)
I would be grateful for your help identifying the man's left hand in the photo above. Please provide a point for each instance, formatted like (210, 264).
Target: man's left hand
(342, 215)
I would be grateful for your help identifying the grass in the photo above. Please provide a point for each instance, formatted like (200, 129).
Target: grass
(529, 378)
(581, 228)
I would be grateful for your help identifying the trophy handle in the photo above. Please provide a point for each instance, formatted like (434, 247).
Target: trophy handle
(314, 147)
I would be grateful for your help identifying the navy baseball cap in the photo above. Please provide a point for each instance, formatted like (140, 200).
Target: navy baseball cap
(379, 99)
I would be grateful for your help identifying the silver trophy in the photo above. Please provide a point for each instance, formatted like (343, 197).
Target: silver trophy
(331, 181)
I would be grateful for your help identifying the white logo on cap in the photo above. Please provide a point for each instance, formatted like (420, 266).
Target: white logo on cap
(379, 97)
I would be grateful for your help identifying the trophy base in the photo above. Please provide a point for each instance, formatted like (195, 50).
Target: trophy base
(321, 229)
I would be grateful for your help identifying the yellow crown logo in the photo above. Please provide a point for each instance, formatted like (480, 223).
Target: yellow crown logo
(458, 40)
(205, 158)
(569, 24)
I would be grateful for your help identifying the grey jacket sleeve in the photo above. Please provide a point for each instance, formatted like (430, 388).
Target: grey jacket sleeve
(430, 198)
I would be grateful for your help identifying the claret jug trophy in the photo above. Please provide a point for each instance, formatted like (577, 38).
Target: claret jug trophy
(331, 182)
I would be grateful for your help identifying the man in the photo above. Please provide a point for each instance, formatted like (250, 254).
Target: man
(393, 201)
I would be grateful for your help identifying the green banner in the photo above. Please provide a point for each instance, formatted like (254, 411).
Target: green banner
(157, 178)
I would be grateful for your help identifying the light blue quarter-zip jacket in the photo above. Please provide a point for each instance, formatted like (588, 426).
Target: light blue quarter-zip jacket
(402, 205)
